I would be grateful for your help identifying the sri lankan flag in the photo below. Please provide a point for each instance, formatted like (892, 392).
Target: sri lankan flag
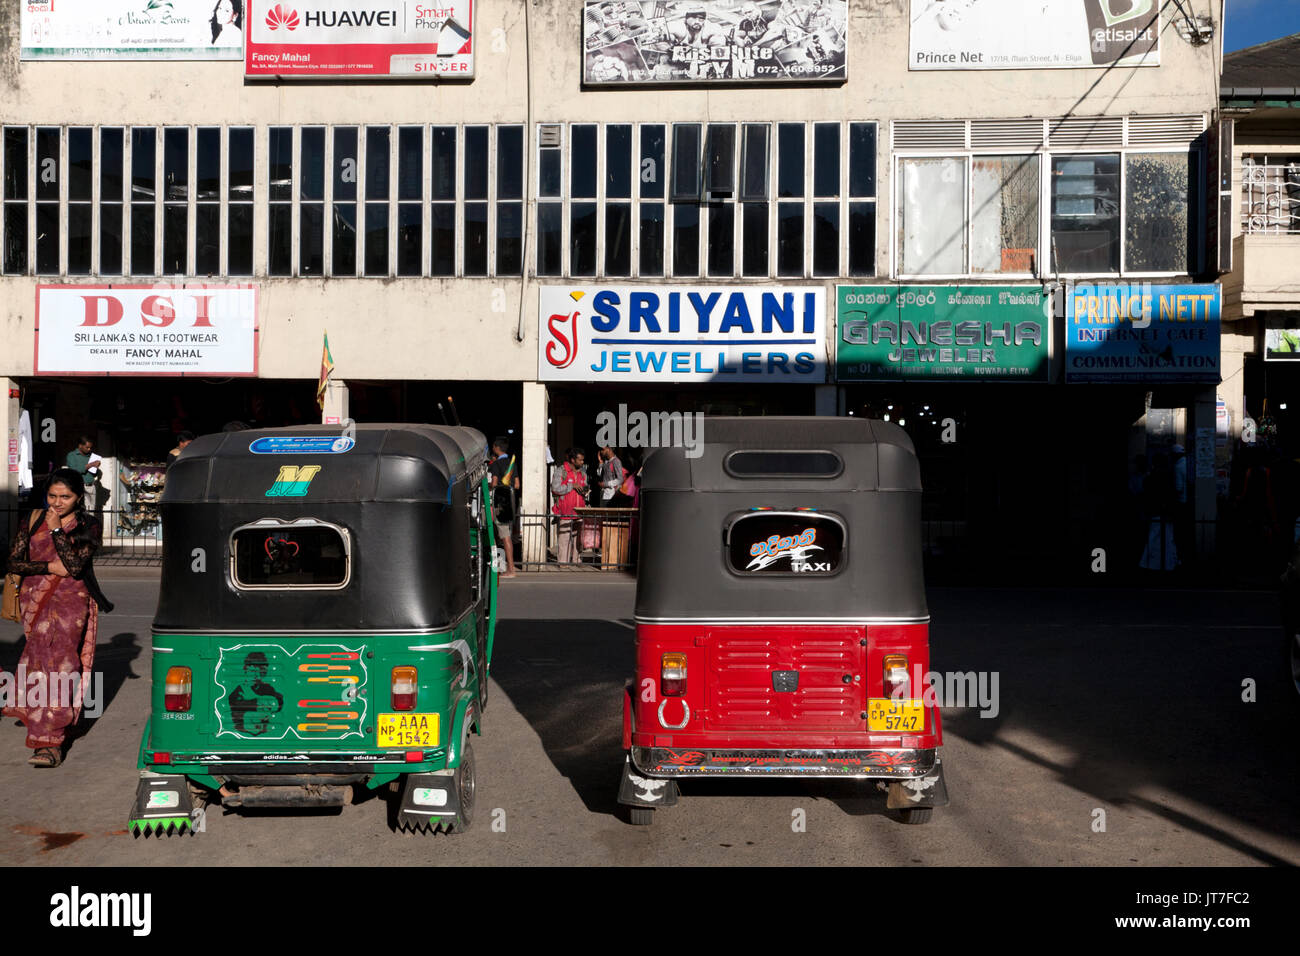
(326, 367)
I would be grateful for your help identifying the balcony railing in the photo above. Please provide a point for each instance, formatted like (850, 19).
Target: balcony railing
(1270, 198)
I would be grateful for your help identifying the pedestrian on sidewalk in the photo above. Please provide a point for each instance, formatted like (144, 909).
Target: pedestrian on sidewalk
(503, 478)
(569, 485)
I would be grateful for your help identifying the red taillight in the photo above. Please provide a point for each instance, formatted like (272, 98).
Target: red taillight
(163, 756)
(414, 756)
(176, 693)
(896, 683)
(404, 688)
(672, 675)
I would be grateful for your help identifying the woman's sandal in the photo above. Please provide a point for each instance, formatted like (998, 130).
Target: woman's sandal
(46, 757)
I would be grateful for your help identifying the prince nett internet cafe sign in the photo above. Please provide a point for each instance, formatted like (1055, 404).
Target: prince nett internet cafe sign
(146, 330)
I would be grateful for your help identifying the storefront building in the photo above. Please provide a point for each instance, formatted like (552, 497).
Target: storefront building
(453, 197)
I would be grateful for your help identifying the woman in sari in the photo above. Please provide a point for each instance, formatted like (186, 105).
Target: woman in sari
(52, 551)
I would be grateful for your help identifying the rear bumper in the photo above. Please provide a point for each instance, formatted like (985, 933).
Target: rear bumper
(883, 764)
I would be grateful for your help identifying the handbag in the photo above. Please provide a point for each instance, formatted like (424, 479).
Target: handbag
(9, 606)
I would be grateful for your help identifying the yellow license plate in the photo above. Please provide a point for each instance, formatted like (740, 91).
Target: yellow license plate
(898, 716)
(408, 730)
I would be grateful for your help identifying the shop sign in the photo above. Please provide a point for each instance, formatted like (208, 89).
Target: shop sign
(714, 41)
(1033, 34)
(146, 330)
(131, 30)
(1142, 333)
(682, 334)
(890, 333)
(288, 38)
(1281, 344)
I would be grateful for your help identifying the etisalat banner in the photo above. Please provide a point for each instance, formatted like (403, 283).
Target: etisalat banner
(1033, 34)
(132, 29)
(717, 41)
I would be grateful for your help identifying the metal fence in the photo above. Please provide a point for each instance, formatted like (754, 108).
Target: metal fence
(1270, 197)
(128, 536)
(592, 543)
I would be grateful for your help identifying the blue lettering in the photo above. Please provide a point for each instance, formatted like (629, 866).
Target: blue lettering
(605, 303)
(681, 361)
(601, 366)
(646, 360)
(782, 313)
(778, 360)
(751, 362)
(642, 307)
(674, 312)
(804, 363)
(703, 307)
(810, 312)
(620, 362)
(699, 367)
(723, 367)
(737, 314)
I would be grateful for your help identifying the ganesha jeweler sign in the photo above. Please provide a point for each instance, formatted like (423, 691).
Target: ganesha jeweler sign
(372, 38)
(713, 41)
(146, 330)
(887, 333)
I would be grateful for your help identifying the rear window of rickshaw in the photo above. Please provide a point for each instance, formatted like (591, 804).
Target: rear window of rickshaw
(783, 464)
(783, 542)
(290, 556)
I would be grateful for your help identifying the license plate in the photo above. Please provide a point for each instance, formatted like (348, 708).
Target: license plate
(898, 716)
(408, 730)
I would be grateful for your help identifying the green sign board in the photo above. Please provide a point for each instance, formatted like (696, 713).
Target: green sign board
(891, 333)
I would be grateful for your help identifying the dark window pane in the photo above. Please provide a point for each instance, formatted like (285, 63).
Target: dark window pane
(47, 169)
(1159, 217)
(239, 239)
(344, 254)
(750, 538)
(510, 162)
(862, 239)
(826, 159)
(175, 239)
(345, 166)
(312, 556)
(862, 159)
(789, 239)
(652, 239)
(720, 162)
(476, 229)
(789, 173)
(142, 230)
(510, 245)
(782, 464)
(376, 239)
(79, 235)
(176, 165)
(239, 168)
(550, 177)
(754, 171)
(279, 163)
(311, 239)
(377, 140)
(110, 240)
(476, 162)
(410, 239)
(618, 161)
(755, 239)
(550, 238)
(110, 165)
(722, 240)
(207, 239)
(312, 171)
(444, 162)
(144, 153)
(208, 164)
(686, 240)
(15, 161)
(582, 239)
(826, 239)
(1085, 213)
(651, 170)
(618, 239)
(47, 238)
(81, 179)
(15, 237)
(442, 220)
(279, 239)
(686, 161)
(582, 162)
(410, 162)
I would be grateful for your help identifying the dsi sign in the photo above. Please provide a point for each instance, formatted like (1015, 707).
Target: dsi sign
(1142, 333)
(682, 334)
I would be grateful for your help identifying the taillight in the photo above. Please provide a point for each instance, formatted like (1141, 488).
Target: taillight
(896, 683)
(177, 691)
(672, 676)
(404, 688)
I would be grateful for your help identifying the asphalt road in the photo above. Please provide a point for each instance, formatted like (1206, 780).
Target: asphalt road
(1126, 702)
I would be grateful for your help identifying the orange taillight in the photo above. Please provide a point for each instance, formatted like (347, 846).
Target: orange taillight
(405, 688)
(178, 689)
(672, 675)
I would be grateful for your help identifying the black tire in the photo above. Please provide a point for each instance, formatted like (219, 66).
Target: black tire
(465, 791)
(640, 816)
(916, 815)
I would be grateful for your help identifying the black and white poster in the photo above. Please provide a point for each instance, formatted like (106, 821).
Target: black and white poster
(1033, 34)
(720, 41)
